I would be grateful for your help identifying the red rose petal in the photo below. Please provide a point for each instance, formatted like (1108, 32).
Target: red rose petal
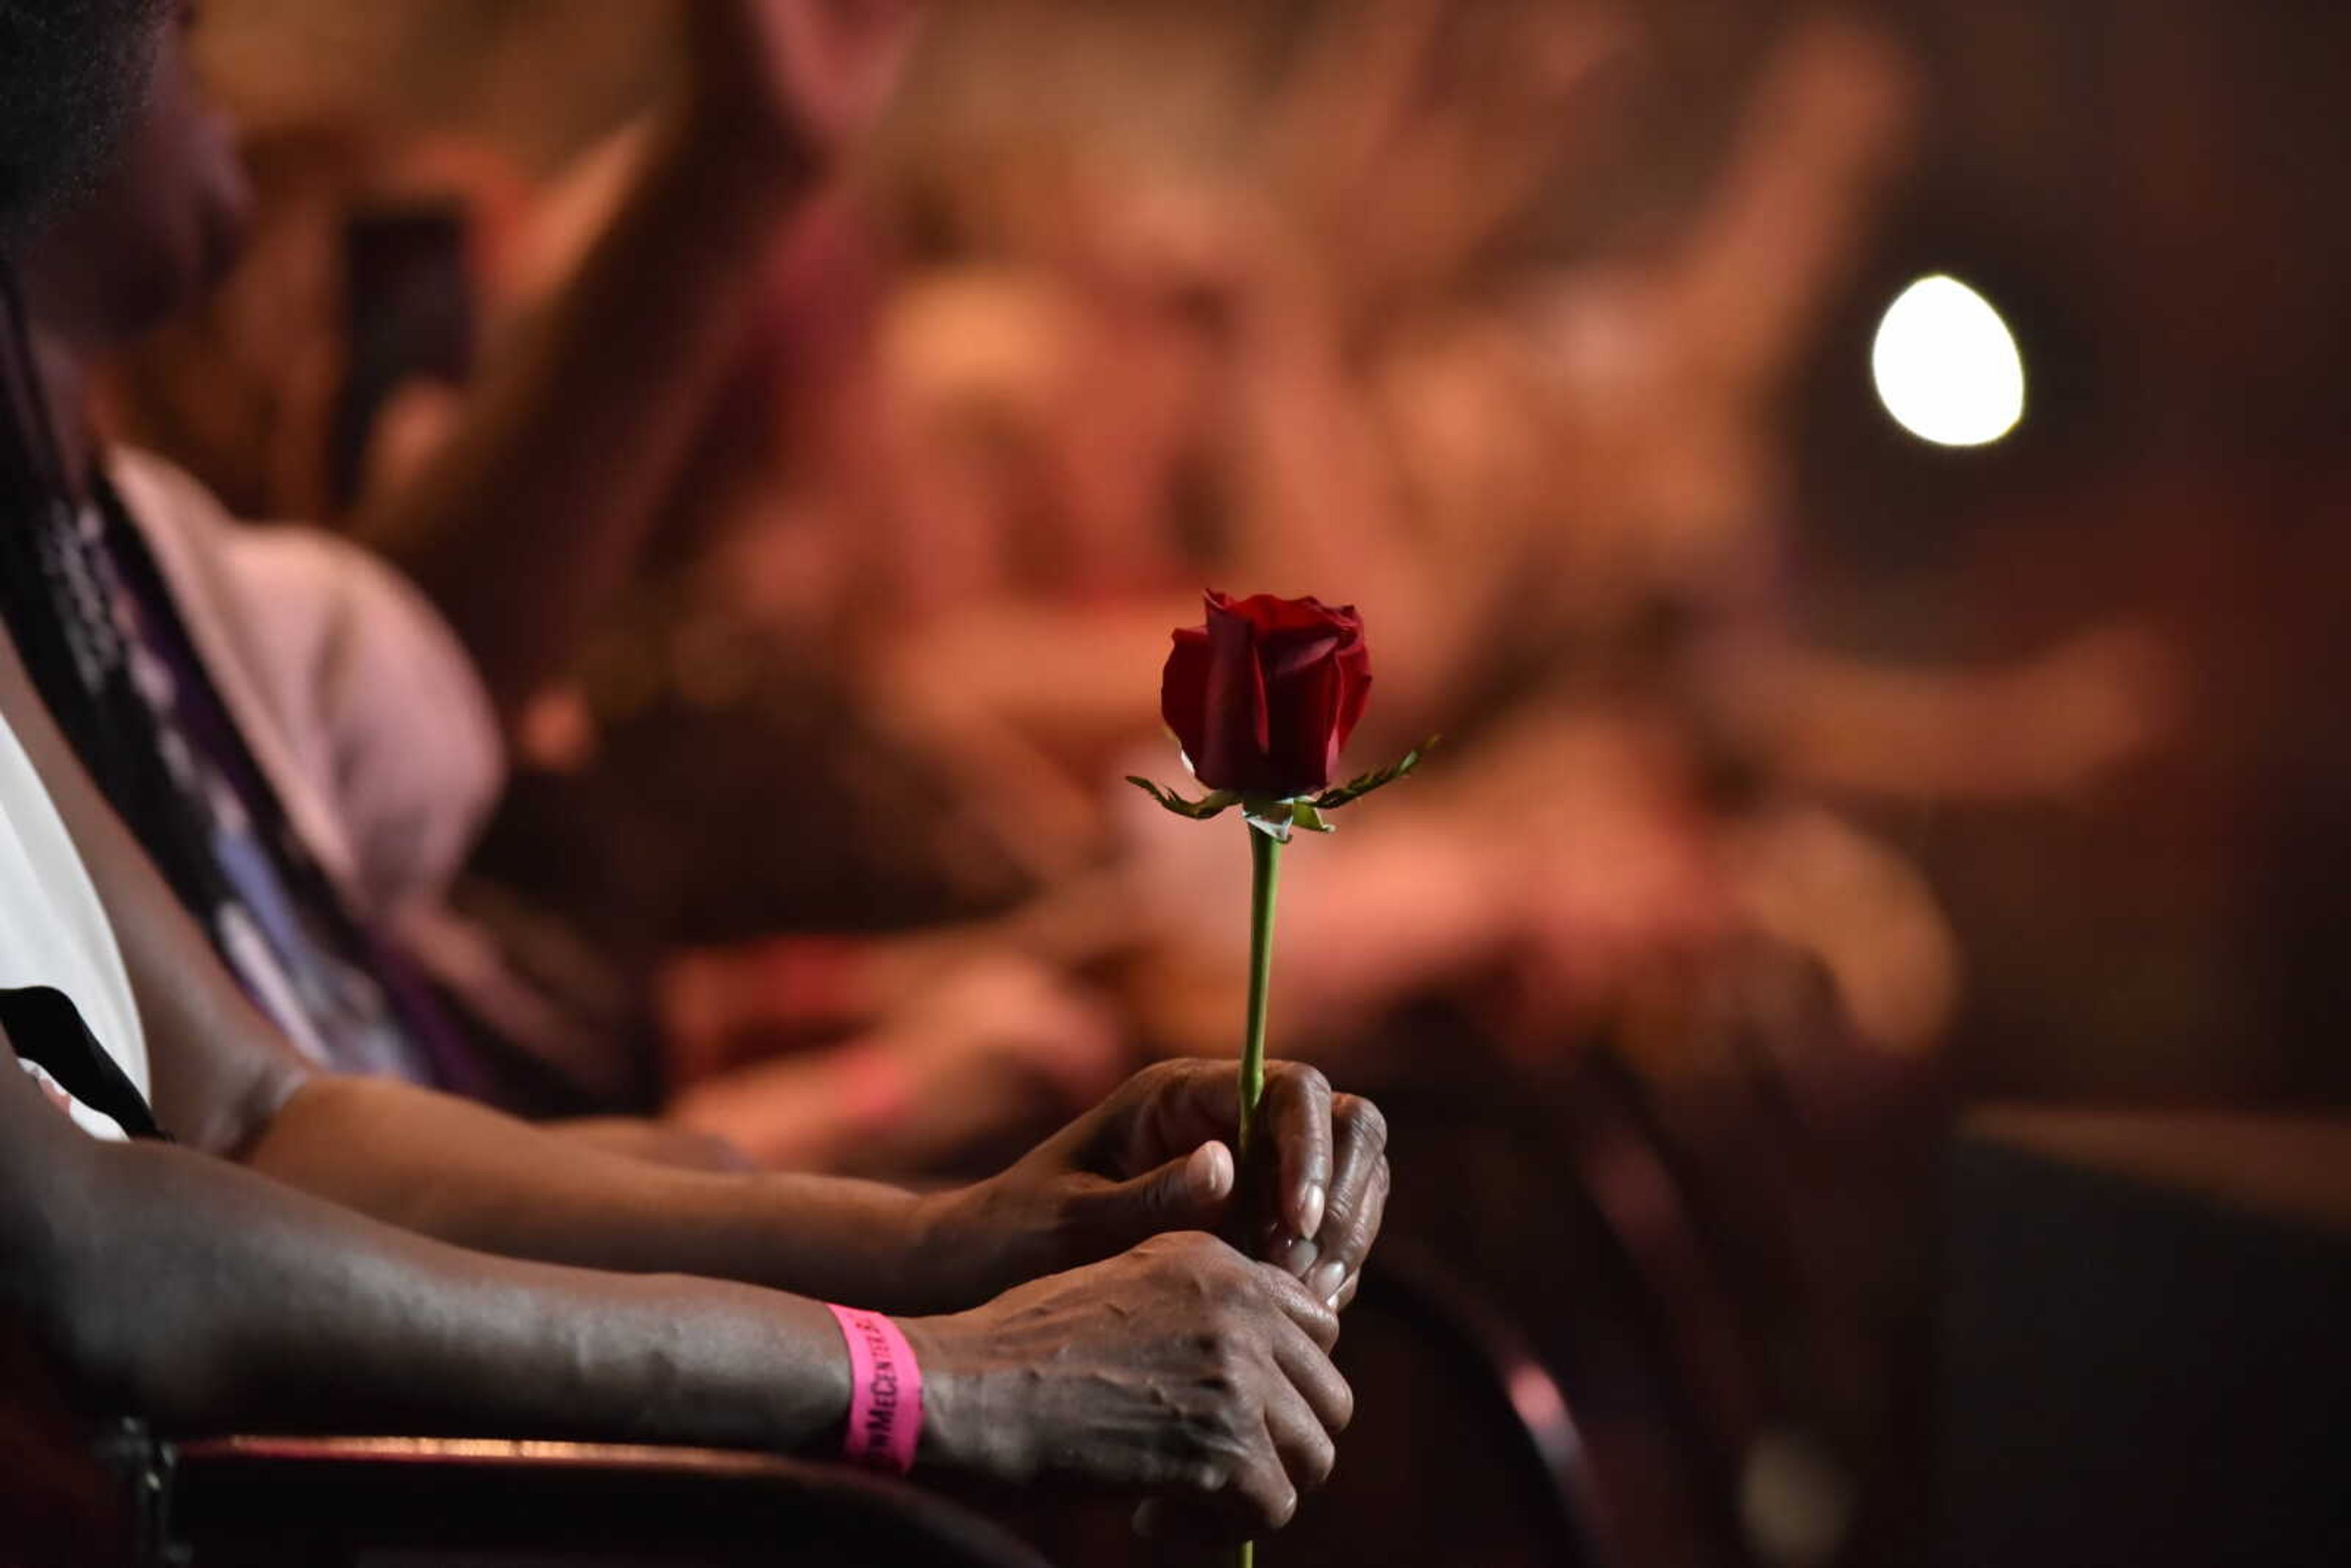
(1184, 691)
(1265, 695)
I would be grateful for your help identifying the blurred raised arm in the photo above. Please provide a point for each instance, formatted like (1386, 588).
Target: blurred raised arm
(523, 526)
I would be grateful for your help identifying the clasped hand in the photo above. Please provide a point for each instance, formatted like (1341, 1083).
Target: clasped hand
(1130, 1347)
(1157, 1156)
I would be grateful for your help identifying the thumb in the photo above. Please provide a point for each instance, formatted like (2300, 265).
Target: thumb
(1186, 1194)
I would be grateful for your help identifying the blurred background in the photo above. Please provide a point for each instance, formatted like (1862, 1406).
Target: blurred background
(1860, 490)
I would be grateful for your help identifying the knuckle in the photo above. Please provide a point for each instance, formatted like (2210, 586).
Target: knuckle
(1211, 1440)
(1186, 1256)
(1160, 1074)
(1194, 1247)
(1363, 1121)
(1141, 1089)
(1207, 1476)
(1230, 1359)
(1192, 1441)
(1185, 1075)
(1224, 1271)
(1278, 1290)
(1224, 1378)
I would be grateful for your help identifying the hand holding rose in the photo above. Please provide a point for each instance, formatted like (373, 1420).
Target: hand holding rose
(1262, 697)
(1225, 1401)
(1179, 1369)
(1157, 1157)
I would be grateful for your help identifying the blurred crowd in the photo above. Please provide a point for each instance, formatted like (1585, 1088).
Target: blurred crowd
(1349, 301)
(806, 832)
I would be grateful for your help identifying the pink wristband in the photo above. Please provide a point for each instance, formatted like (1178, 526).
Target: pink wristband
(886, 1392)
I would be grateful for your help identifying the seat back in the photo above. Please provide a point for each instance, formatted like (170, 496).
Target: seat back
(440, 1503)
(62, 1499)
(1463, 1449)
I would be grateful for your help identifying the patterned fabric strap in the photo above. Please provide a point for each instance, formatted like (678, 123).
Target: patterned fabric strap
(885, 1393)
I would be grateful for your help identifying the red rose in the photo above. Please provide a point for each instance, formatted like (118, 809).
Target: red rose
(1264, 695)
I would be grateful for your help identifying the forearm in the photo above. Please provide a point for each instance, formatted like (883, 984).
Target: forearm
(1844, 723)
(177, 1287)
(471, 1177)
(533, 515)
(1827, 129)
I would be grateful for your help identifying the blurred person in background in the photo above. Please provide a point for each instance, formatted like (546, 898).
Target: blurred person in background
(346, 747)
(1340, 369)
(1561, 488)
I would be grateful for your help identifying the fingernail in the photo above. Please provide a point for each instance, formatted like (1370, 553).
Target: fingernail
(1325, 1281)
(1299, 1256)
(1212, 1170)
(1310, 1210)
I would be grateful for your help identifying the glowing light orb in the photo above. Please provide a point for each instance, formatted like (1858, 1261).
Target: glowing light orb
(1946, 365)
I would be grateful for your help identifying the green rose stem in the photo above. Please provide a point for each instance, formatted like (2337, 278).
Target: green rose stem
(1269, 820)
(1265, 884)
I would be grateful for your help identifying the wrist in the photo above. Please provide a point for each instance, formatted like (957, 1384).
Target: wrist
(946, 1248)
(961, 1431)
(888, 1401)
(919, 1266)
(982, 1239)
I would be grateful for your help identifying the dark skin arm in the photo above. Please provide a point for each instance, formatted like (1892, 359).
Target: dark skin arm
(213, 1292)
(1151, 1158)
(285, 1311)
(525, 525)
(158, 1280)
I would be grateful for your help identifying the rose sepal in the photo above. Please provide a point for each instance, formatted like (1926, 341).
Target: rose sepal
(1215, 804)
(1379, 778)
(1276, 817)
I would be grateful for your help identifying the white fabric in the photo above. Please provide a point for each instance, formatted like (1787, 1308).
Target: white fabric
(53, 930)
(355, 699)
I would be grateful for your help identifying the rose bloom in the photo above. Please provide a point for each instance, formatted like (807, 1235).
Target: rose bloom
(1263, 696)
